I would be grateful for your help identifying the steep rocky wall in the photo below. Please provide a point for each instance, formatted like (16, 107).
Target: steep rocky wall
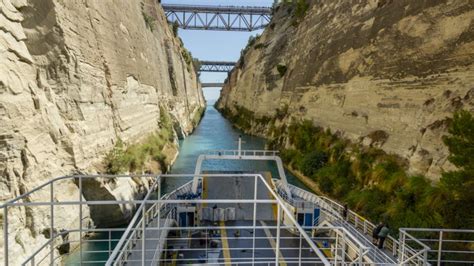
(75, 76)
(366, 68)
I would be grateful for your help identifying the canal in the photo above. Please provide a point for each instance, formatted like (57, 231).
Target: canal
(213, 133)
(217, 133)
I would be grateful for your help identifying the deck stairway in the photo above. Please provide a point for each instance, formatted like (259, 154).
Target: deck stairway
(331, 216)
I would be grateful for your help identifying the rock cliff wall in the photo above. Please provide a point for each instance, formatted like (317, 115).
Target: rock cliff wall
(76, 76)
(384, 73)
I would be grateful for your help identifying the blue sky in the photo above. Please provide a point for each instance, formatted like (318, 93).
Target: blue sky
(216, 45)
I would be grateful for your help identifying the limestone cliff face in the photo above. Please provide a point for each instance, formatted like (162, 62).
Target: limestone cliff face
(75, 76)
(379, 72)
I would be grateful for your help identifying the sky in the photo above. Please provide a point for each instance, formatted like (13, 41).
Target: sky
(216, 45)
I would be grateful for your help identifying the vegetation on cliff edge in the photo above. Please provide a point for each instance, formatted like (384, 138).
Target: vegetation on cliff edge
(133, 158)
(198, 116)
(373, 182)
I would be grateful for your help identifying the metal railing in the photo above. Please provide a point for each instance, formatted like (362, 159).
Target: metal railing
(400, 250)
(120, 256)
(439, 246)
(339, 242)
(253, 153)
(59, 234)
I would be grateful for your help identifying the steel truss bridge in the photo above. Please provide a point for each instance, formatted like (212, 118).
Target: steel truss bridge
(221, 18)
(216, 66)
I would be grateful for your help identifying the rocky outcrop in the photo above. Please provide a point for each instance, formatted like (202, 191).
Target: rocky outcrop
(76, 76)
(384, 73)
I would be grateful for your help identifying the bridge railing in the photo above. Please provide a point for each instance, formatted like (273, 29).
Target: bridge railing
(254, 153)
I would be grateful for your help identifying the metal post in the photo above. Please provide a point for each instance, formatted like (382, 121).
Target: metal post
(110, 243)
(299, 255)
(394, 248)
(335, 248)
(159, 202)
(80, 220)
(254, 218)
(402, 246)
(277, 250)
(51, 233)
(143, 232)
(5, 234)
(440, 246)
(240, 145)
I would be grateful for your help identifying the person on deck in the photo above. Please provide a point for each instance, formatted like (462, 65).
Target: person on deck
(345, 212)
(382, 235)
(375, 233)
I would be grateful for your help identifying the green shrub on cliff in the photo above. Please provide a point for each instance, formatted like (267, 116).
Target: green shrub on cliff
(301, 8)
(312, 162)
(133, 158)
(175, 28)
(457, 186)
(376, 184)
(197, 116)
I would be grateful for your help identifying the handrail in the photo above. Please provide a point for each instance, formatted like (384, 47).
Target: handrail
(135, 217)
(335, 209)
(73, 177)
(116, 253)
(124, 240)
(263, 153)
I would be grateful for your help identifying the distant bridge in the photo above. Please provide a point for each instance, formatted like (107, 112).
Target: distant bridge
(221, 18)
(212, 85)
(216, 66)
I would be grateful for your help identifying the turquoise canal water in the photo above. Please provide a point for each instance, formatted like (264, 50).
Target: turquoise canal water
(216, 133)
(213, 133)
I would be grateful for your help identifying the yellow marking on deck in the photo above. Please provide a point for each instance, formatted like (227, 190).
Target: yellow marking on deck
(204, 190)
(326, 251)
(175, 258)
(273, 244)
(268, 178)
(225, 244)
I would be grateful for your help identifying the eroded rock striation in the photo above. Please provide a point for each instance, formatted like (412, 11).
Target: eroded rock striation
(381, 73)
(76, 76)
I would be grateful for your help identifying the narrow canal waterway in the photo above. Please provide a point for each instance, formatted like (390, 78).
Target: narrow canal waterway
(217, 133)
(213, 133)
